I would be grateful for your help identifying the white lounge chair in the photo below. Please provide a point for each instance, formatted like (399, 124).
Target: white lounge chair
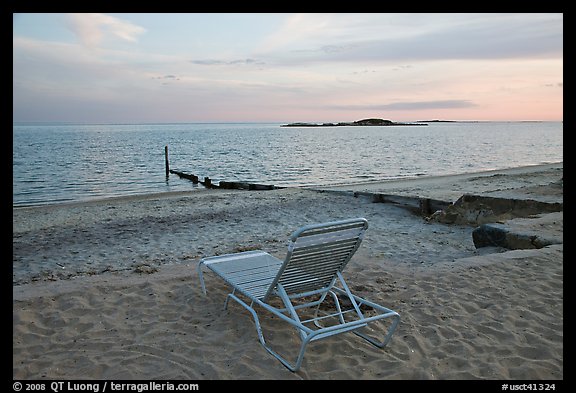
(316, 256)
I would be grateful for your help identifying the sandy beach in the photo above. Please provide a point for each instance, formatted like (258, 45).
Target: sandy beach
(108, 289)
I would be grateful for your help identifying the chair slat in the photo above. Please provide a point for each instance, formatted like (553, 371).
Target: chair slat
(316, 254)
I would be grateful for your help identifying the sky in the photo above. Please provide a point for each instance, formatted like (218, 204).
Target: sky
(244, 67)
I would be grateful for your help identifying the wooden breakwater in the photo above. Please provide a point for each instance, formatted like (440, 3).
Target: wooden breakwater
(418, 205)
(207, 182)
(227, 185)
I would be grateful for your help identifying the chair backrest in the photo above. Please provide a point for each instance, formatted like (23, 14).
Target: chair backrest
(316, 253)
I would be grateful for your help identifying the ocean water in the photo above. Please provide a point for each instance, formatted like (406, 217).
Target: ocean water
(69, 162)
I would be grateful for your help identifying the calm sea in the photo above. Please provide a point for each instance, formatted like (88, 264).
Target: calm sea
(60, 163)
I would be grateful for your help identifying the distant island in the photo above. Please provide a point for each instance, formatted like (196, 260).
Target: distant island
(363, 122)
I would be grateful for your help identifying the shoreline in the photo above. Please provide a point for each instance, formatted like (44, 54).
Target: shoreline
(364, 185)
(107, 289)
(451, 187)
(456, 176)
(117, 198)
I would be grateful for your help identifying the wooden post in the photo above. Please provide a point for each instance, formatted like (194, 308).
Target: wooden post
(166, 159)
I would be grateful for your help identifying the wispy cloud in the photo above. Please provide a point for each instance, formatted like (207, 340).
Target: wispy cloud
(410, 106)
(227, 62)
(417, 37)
(328, 66)
(92, 28)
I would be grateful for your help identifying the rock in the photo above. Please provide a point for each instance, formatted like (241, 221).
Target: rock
(522, 233)
(499, 235)
(478, 210)
(489, 235)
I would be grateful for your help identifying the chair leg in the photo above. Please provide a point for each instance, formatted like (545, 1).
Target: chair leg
(228, 298)
(387, 337)
(291, 366)
(252, 311)
(357, 302)
(201, 276)
(371, 340)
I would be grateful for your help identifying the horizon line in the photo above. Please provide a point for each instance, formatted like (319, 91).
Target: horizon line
(15, 122)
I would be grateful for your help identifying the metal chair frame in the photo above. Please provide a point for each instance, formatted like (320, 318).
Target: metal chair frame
(312, 268)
